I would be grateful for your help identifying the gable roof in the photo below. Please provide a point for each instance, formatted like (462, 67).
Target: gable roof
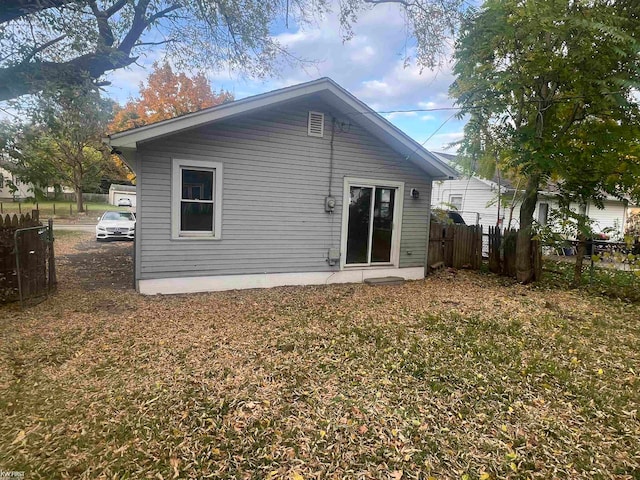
(122, 188)
(326, 89)
(452, 160)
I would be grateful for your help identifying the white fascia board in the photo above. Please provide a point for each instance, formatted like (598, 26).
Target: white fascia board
(493, 184)
(130, 138)
(371, 121)
(415, 150)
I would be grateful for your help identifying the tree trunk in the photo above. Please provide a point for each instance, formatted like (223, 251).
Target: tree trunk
(79, 200)
(524, 260)
(582, 247)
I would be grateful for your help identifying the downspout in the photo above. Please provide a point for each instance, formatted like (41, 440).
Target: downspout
(333, 133)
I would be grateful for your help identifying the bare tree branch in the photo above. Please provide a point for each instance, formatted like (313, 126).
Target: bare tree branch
(30, 77)
(44, 46)
(13, 9)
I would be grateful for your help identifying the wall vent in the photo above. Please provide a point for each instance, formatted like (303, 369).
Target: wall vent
(315, 127)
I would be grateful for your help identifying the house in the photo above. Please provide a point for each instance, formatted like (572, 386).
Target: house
(12, 188)
(118, 192)
(475, 198)
(477, 201)
(302, 185)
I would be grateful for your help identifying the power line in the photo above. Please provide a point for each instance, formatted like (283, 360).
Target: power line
(418, 110)
(409, 155)
(472, 107)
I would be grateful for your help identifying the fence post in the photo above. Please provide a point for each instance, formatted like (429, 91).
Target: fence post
(1, 208)
(52, 259)
(19, 207)
(54, 208)
(536, 252)
(70, 210)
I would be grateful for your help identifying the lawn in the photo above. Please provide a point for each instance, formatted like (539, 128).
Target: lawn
(65, 212)
(461, 376)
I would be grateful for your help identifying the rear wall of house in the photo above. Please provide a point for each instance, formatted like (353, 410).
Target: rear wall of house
(275, 179)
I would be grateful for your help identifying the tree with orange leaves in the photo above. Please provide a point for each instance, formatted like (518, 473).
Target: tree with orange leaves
(167, 95)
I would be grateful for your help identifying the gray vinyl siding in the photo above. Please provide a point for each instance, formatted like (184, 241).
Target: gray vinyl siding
(275, 179)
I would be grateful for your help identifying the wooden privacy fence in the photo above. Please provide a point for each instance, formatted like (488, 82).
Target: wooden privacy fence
(460, 246)
(503, 252)
(27, 263)
(457, 246)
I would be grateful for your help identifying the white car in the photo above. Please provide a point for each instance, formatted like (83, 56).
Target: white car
(124, 202)
(116, 225)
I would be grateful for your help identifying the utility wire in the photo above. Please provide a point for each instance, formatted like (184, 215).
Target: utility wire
(472, 107)
(409, 155)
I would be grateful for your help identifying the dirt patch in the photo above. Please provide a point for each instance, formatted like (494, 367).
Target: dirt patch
(97, 265)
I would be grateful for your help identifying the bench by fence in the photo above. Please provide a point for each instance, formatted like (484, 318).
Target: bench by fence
(27, 263)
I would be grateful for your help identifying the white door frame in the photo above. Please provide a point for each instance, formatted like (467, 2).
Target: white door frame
(397, 220)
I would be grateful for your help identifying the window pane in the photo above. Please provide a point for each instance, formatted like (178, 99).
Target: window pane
(456, 202)
(543, 213)
(358, 230)
(197, 184)
(382, 224)
(196, 217)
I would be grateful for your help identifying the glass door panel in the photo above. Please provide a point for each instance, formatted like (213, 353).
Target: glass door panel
(382, 225)
(358, 231)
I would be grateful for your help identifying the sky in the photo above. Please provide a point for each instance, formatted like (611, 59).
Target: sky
(371, 66)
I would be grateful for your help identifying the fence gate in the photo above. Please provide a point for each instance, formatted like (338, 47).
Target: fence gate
(27, 265)
(457, 246)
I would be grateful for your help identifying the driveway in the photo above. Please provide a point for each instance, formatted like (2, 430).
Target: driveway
(100, 264)
(74, 227)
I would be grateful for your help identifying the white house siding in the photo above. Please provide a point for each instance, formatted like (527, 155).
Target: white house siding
(23, 189)
(274, 183)
(479, 201)
(612, 217)
(478, 194)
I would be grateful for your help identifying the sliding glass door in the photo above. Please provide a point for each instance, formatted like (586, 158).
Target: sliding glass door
(370, 223)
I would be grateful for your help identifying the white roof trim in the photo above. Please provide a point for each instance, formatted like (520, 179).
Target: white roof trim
(368, 119)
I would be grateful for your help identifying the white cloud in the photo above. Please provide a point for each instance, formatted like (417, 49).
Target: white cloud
(370, 65)
(394, 115)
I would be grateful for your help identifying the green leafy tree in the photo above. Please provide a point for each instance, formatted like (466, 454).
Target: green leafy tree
(62, 143)
(548, 88)
(68, 42)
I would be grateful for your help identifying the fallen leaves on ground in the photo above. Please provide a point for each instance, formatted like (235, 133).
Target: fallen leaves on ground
(462, 375)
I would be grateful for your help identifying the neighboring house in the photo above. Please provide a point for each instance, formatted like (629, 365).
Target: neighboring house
(61, 193)
(117, 192)
(23, 190)
(303, 185)
(476, 200)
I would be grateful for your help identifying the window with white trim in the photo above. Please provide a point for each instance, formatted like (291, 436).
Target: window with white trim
(455, 201)
(196, 203)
